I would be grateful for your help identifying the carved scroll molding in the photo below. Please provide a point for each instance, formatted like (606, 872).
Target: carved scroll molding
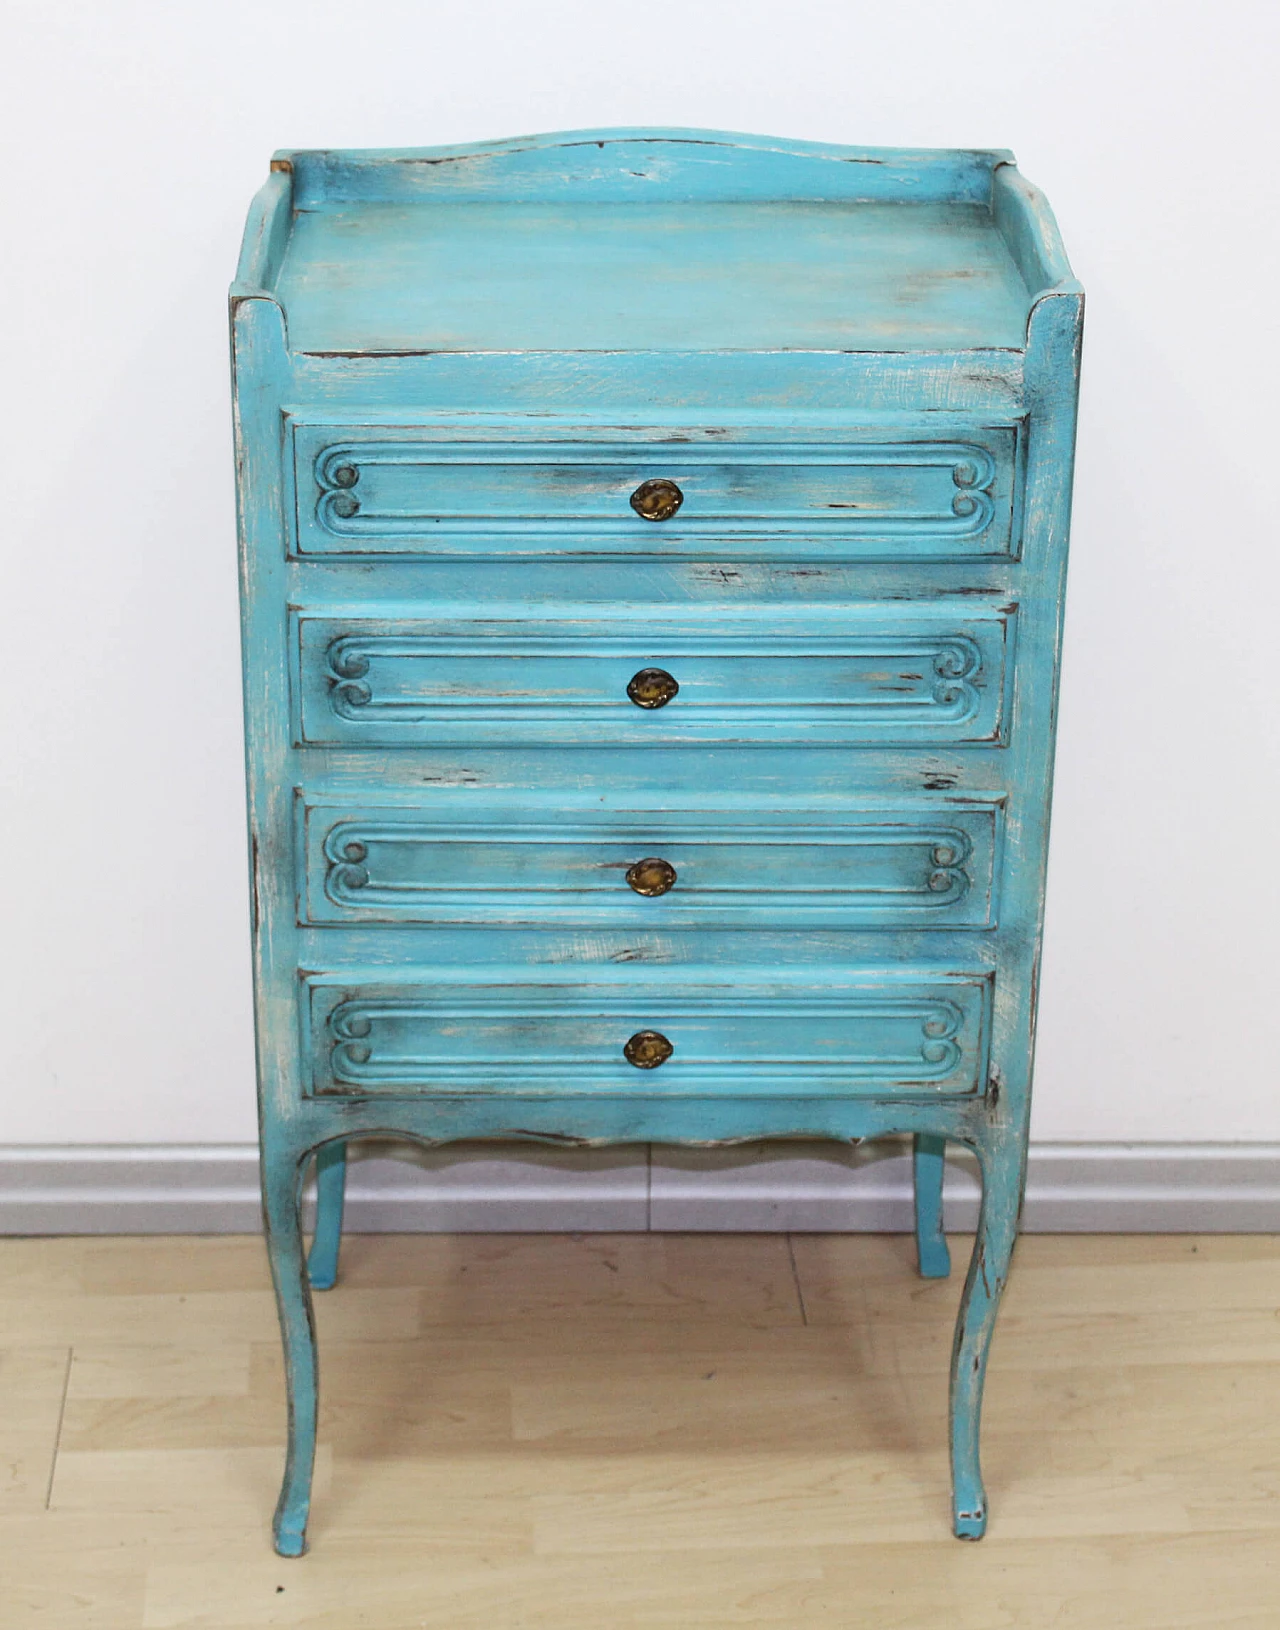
(380, 678)
(456, 1041)
(401, 489)
(396, 869)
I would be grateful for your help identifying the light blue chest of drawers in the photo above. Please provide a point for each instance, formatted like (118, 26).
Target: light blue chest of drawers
(653, 549)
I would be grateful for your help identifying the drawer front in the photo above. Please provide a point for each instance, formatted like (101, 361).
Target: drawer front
(861, 1035)
(926, 675)
(392, 491)
(743, 865)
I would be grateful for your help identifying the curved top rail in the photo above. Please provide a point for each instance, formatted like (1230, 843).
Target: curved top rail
(642, 164)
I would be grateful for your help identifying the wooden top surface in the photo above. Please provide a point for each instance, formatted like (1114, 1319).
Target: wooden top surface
(440, 274)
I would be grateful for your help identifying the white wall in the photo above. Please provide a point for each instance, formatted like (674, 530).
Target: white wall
(137, 131)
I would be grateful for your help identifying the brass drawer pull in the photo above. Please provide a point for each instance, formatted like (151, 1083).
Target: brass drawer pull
(647, 1049)
(652, 687)
(656, 500)
(651, 877)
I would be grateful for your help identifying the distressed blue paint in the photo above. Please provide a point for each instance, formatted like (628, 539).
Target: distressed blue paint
(281, 1210)
(637, 165)
(928, 1168)
(933, 674)
(809, 863)
(484, 489)
(1002, 1160)
(435, 275)
(499, 1031)
(331, 1182)
(452, 368)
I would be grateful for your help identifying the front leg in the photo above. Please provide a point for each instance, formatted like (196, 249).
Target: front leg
(282, 1212)
(1001, 1169)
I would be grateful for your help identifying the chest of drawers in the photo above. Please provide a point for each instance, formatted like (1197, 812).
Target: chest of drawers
(652, 550)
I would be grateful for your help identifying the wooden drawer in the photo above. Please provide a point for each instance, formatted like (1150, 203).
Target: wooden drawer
(874, 494)
(755, 864)
(930, 673)
(745, 1034)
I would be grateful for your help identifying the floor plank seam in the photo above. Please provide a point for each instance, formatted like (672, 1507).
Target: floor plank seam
(795, 1276)
(57, 1433)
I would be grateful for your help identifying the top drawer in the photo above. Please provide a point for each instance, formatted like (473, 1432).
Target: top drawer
(865, 495)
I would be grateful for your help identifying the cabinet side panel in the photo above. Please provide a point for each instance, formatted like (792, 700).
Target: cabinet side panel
(258, 374)
(1053, 365)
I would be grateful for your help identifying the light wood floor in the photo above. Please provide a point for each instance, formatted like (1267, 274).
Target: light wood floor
(645, 1430)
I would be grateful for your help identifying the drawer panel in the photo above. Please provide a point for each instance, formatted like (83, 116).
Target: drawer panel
(857, 1035)
(921, 675)
(733, 865)
(393, 490)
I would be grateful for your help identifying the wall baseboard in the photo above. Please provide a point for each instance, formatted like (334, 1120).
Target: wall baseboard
(1112, 1188)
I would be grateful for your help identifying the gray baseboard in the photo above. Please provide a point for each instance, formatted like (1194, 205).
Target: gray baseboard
(1114, 1188)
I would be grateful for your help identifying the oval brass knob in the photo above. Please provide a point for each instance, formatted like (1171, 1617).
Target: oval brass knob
(651, 877)
(647, 1049)
(652, 687)
(656, 500)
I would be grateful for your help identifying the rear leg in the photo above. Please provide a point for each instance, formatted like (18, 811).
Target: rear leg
(331, 1183)
(928, 1167)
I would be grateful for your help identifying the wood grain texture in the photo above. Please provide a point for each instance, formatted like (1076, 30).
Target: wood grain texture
(33, 1383)
(654, 1432)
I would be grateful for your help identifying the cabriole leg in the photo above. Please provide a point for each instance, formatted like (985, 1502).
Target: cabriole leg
(928, 1166)
(988, 1272)
(331, 1182)
(282, 1212)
